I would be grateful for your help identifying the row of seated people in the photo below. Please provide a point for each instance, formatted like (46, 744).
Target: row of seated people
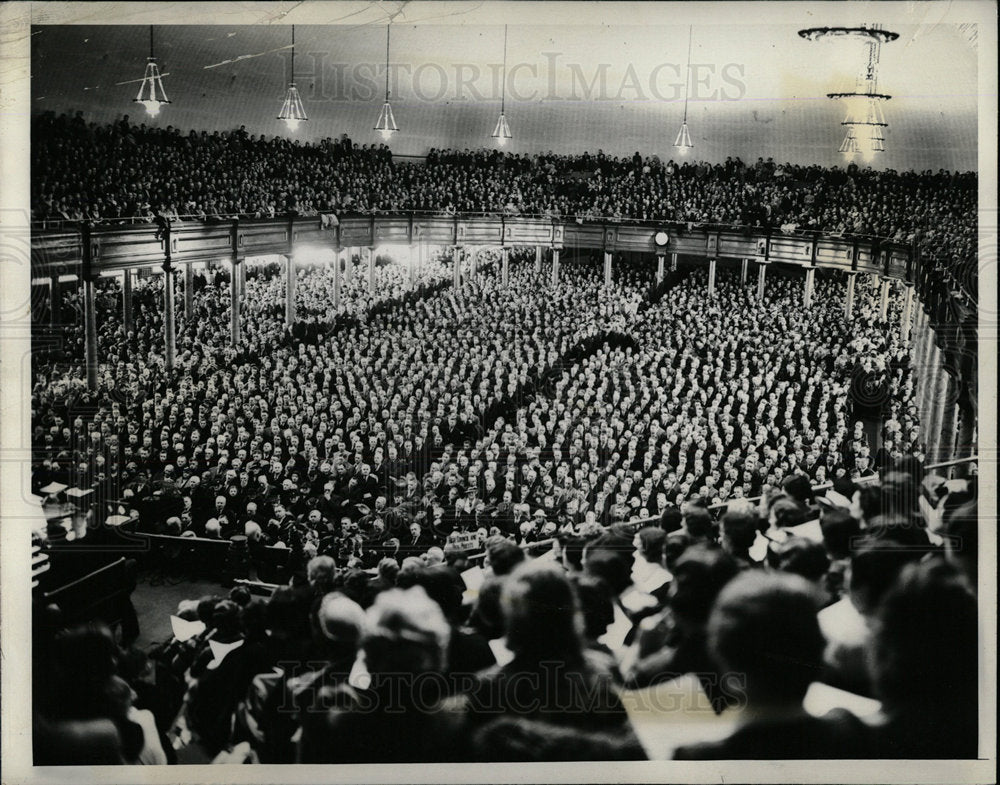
(338, 369)
(846, 631)
(79, 172)
(518, 426)
(313, 303)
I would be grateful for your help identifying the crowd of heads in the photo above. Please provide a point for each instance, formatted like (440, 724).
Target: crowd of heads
(125, 171)
(637, 463)
(522, 409)
(556, 653)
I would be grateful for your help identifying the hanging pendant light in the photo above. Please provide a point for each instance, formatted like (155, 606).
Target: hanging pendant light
(683, 140)
(151, 94)
(386, 123)
(502, 130)
(292, 113)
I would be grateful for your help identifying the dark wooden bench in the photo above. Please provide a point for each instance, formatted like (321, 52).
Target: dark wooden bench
(102, 595)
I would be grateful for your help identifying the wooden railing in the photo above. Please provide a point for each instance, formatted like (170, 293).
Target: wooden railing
(116, 247)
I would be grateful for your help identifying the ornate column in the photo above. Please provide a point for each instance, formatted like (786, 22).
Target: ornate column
(538, 260)
(456, 267)
(761, 273)
(555, 266)
(712, 263)
(505, 266)
(608, 274)
(744, 268)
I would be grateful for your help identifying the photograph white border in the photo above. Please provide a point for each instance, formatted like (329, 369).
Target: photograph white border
(16, 19)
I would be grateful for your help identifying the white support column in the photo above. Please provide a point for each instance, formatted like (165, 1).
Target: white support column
(744, 268)
(538, 260)
(411, 262)
(235, 276)
(711, 276)
(608, 273)
(474, 265)
(948, 427)
(660, 258)
(368, 254)
(807, 292)
(505, 266)
(336, 278)
(456, 267)
(555, 266)
(127, 321)
(761, 273)
(965, 445)
(55, 301)
(90, 330)
(906, 317)
(939, 427)
(931, 404)
(188, 291)
(673, 262)
(169, 334)
(922, 357)
(849, 301)
(348, 267)
(883, 304)
(289, 290)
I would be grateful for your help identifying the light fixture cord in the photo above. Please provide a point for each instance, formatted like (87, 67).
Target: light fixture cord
(687, 73)
(503, 89)
(150, 42)
(387, 28)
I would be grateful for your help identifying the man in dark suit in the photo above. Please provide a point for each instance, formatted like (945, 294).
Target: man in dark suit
(760, 620)
(418, 540)
(364, 487)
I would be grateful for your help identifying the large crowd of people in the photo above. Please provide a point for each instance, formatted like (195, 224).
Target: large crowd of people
(124, 171)
(764, 617)
(665, 482)
(516, 408)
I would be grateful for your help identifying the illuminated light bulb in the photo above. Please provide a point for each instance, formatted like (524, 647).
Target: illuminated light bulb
(386, 123)
(501, 133)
